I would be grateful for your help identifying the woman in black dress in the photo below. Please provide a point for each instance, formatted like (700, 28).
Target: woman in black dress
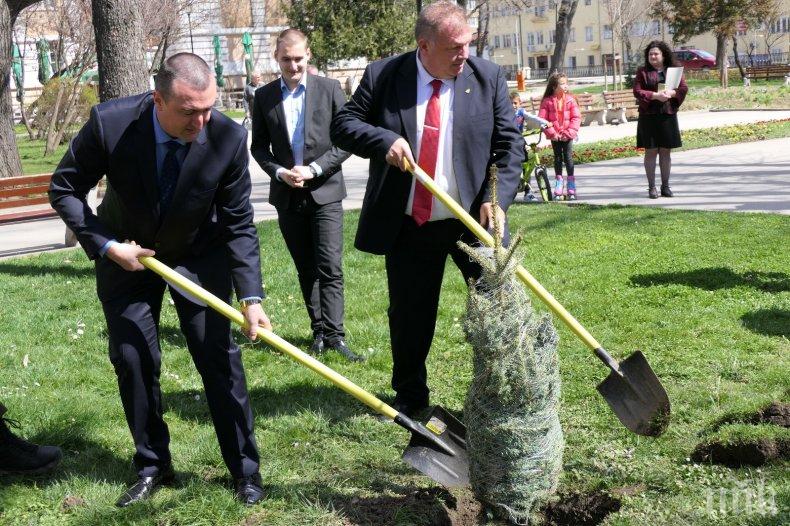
(657, 131)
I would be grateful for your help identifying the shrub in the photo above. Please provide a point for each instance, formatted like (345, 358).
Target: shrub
(44, 108)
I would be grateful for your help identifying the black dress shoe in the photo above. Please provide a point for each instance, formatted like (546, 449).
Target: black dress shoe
(666, 191)
(318, 344)
(341, 347)
(145, 487)
(248, 489)
(409, 409)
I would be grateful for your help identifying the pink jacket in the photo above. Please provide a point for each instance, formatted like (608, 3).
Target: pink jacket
(566, 125)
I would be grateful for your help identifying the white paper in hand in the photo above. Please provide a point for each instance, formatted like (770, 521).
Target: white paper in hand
(673, 77)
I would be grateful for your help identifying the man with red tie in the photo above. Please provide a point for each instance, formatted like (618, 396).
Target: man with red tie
(452, 113)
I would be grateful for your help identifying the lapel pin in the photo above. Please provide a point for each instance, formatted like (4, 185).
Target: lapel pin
(468, 90)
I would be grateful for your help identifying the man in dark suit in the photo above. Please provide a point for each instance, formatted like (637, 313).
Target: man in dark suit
(178, 187)
(290, 140)
(454, 111)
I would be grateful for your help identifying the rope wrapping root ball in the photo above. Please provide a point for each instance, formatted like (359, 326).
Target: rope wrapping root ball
(514, 438)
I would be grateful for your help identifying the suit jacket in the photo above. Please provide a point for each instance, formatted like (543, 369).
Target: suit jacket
(646, 83)
(210, 216)
(271, 148)
(383, 108)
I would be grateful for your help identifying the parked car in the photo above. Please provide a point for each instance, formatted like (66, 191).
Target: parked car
(695, 59)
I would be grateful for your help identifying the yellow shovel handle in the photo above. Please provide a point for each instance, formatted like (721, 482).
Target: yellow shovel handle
(486, 238)
(171, 276)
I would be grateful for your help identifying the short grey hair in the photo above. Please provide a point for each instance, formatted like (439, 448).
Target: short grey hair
(436, 16)
(186, 67)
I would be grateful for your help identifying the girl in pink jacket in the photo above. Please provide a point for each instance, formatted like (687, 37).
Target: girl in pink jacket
(562, 111)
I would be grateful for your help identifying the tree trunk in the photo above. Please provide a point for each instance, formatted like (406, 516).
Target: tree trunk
(564, 19)
(483, 17)
(735, 54)
(119, 48)
(721, 58)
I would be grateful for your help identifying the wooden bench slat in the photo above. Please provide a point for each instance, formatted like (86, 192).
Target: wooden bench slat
(25, 180)
(16, 203)
(24, 190)
(27, 215)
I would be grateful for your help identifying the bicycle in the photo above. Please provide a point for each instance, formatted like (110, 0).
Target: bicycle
(533, 164)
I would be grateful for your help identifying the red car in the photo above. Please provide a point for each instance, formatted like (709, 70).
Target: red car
(695, 59)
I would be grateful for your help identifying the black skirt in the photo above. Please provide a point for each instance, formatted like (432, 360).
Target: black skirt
(658, 131)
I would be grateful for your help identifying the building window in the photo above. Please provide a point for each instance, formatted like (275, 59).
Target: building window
(656, 27)
(531, 62)
(552, 36)
(572, 36)
(782, 25)
(571, 62)
(506, 41)
(588, 34)
(496, 41)
(590, 60)
(236, 14)
(607, 32)
(540, 36)
(587, 2)
(531, 38)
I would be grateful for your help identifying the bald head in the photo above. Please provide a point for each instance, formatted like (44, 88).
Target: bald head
(184, 67)
(439, 17)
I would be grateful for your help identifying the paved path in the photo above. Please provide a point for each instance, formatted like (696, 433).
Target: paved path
(743, 177)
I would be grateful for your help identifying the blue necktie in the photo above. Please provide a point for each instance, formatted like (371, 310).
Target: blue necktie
(169, 176)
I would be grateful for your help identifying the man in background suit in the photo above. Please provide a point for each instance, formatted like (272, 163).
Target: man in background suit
(290, 140)
(178, 187)
(454, 112)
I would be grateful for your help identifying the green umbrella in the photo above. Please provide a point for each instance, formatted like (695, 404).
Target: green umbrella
(246, 40)
(44, 64)
(218, 61)
(19, 78)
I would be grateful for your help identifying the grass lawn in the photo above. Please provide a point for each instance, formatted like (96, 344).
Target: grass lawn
(705, 295)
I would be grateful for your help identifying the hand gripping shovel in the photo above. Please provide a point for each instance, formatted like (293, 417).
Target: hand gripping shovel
(632, 389)
(437, 449)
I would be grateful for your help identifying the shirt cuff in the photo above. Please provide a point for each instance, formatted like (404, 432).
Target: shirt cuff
(317, 168)
(103, 250)
(278, 173)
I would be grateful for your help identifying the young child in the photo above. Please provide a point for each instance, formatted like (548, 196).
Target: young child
(561, 109)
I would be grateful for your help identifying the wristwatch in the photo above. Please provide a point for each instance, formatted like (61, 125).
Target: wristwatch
(252, 301)
(313, 170)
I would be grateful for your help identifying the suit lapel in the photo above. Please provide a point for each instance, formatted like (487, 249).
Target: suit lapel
(309, 99)
(279, 111)
(464, 98)
(406, 88)
(145, 148)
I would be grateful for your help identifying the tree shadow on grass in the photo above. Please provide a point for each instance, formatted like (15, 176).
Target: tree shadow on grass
(770, 322)
(716, 278)
(82, 458)
(28, 270)
(294, 399)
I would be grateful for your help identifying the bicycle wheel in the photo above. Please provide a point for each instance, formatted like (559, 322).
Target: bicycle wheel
(543, 183)
(247, 123)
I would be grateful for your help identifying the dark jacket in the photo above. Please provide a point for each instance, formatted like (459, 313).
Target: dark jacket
(272, 150)
(383, 108)
(210, 215)
(646, 83)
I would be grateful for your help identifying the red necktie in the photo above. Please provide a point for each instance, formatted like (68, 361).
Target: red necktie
(429, 149)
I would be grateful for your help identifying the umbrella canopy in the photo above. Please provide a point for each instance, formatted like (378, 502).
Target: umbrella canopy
(44, 63)
(16, 68)
(218, 61)
(249, 58)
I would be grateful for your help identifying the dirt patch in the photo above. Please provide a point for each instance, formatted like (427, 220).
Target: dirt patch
(777, 413)
(581, 509)
(428, 507)
(440, 507)
(735, 455)
(71, 502)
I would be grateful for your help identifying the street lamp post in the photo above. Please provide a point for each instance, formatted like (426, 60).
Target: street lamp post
(189, 23)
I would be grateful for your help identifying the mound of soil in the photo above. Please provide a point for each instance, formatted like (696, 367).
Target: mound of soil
(581, 509)
(777, 413)
(439, 507)
(754, 453)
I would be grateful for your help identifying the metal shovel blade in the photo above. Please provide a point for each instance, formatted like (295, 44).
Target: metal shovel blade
(424, 455)
(637, 397)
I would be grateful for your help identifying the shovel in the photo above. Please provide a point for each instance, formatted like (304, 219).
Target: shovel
(632, 389)
(437, 449)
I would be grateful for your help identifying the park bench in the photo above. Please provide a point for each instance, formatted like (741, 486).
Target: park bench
(23, 198)
(769, 71)
(620, 105)
(586, 103)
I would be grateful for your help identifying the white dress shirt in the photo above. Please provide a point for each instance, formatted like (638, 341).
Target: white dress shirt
(444, 176)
